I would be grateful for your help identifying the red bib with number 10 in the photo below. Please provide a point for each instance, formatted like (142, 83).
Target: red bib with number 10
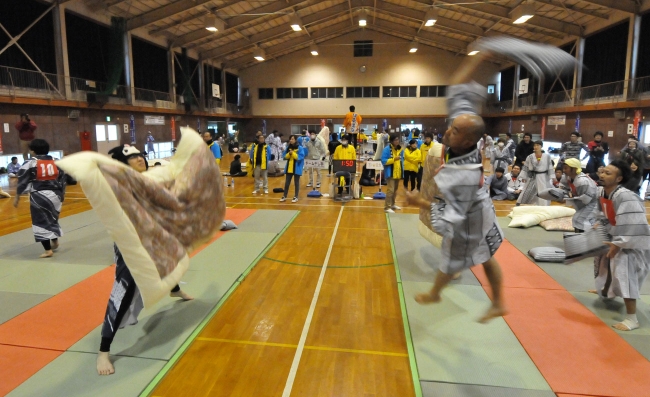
(46, 170)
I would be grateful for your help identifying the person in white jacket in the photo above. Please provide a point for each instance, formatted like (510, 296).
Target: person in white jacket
(316, 150)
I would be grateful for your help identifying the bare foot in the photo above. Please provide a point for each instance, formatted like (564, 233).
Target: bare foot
(456, 276)
(593, 291)
(55, 246)
(181, 294)
(493, 312)
(47, 254)
(104, 365)
(427, 298)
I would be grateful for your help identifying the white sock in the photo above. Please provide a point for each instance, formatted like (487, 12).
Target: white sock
(632, 317)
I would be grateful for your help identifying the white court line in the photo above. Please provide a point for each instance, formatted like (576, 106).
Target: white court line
(305, 329)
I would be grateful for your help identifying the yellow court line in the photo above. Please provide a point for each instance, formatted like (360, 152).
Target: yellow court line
(323, 348)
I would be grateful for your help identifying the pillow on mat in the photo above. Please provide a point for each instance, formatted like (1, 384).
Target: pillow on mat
(229, 225)
(564, 224)
(547, 254)
(531, 215)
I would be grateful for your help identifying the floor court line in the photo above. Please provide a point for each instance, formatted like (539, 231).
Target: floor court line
(303, 337)
(288, 345)
(331, 267)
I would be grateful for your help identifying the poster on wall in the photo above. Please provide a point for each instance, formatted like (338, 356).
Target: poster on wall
(556, 120)
(523, 86)
(132, 122)
(6, 127)
(154, 120)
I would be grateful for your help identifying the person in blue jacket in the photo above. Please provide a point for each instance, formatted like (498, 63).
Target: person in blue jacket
(392, 157)
(295, 156)
(213, 146)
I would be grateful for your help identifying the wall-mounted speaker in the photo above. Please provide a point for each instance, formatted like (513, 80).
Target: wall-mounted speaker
(619, 114)
(534, 118)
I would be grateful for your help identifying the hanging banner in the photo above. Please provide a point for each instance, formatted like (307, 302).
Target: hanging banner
(173, 123)
(264, 127)
(198, 125)
(578, 123)
(384, 124)
(637, 120)
(132, 129)
(1, 151)
(510, 126)
(543, 127)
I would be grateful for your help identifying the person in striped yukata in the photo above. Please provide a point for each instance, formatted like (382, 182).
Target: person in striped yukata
(583, 194)
(45, 182)
(572, 149)
(623, 269)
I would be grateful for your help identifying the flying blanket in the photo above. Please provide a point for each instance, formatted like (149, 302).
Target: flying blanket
(429, 191)
(158, 217)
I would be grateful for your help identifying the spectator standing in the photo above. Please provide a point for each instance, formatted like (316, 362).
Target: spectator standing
(26, 133)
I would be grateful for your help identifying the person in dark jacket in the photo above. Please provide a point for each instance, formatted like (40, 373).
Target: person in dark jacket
(524, 149)
(235, 167)
(597, 151)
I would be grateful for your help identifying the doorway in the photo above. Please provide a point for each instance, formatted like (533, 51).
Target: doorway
(107, 137)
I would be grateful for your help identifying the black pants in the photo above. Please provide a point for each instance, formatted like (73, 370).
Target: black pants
(122, 295)
(296, 183)
(353, 140)
(374, 148)
(420, 172)
(411, 176)
(47, 245)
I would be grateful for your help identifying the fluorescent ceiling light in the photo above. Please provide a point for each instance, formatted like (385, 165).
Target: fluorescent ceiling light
(522, 13)
(363, 18)
(473, 52)
(431, 17)
(413, 47)
(313, 49)
(214, 24)
(296, 23)
(259, 54)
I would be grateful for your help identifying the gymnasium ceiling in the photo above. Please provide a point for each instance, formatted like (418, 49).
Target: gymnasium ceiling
(265, 24)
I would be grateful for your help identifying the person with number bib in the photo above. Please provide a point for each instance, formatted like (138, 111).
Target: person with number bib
(622, 271)
(45, 183)
(344, 152)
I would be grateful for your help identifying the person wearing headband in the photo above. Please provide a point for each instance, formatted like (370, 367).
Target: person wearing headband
(583, 194)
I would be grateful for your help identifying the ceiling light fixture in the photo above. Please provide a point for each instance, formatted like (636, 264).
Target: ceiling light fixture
(473, 52)
(414, 47)
(363, 18)
(296, 23)
(431, 17)
(313, 49)
(522, 13)
(259, 54)
(214, 24)
(471, 48)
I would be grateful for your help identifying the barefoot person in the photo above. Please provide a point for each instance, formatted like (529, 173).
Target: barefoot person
(125, 302)
(622, 271)
(45, 183)
(465, 218)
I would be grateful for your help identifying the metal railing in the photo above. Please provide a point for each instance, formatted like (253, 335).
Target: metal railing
(21, 82)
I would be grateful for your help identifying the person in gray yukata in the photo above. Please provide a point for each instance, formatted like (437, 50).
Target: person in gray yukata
(584, 193)
(622, 271)
(465, 218)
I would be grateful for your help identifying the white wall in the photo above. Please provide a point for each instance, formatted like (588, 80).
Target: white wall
(390, 65)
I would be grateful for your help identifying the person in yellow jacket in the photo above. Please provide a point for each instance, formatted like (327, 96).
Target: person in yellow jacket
(412, 160)
(392, 158)
(260, 157)
(374, 138)
(424, 151)
(345, 151)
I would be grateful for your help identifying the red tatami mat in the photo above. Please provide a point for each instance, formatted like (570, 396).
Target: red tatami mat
(573, 349)
(31, 340)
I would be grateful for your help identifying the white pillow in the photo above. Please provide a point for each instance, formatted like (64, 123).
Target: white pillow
(547, 254)
(531, 215)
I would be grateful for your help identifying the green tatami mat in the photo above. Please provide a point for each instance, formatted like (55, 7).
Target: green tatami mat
(17, 240)
(163, 328)
(266, 221)
(436, 389)
(452, 347)
(74, 375)
(42, 277)
(613, 311)
(418, 260)
(576, 277)
(89, 245)
(14, 303)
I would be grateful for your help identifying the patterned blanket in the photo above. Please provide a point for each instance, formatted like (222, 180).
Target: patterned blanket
(429, 190)
(156, 218)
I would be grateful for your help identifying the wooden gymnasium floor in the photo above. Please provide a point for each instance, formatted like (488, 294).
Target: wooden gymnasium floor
(306, 299)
